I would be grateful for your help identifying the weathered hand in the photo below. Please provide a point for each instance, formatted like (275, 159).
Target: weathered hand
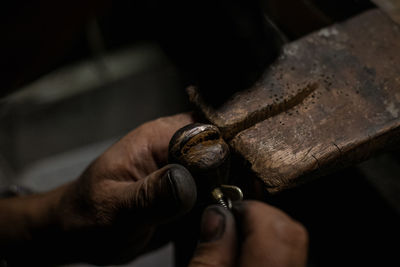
(116, 209)
(112, 212)
(116, 205)
(260, 236)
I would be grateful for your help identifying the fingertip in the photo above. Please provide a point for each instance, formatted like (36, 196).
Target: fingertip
(218, 240)
(182, 185)
(214, 223)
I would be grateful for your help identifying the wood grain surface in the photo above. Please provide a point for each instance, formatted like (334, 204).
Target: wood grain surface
(332, 99)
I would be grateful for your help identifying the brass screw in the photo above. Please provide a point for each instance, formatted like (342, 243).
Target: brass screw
(225, 194)
(220, 198)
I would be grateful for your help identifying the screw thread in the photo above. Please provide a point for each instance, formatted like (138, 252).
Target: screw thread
(222, 203)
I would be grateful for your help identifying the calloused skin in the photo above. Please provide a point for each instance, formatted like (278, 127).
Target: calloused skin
(114, 212)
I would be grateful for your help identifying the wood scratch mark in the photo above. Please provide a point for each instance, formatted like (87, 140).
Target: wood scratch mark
(338, 148)
(316, 161)
(308, 152)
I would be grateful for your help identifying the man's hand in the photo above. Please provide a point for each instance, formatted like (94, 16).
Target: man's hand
(111, 213)
(261, 236)
(114, 212)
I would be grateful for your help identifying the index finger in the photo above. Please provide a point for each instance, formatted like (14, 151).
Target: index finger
(159, 132)
(145, 149)
(270, 237)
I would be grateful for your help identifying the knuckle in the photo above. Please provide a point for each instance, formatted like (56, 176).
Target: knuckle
(83, 206)
(103, 212)
(102, 204)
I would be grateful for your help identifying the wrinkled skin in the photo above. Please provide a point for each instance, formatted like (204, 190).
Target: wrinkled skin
(128, 202)
(126, 193)
(111, 212)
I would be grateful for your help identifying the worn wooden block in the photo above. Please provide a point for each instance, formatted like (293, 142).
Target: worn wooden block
(331, 99)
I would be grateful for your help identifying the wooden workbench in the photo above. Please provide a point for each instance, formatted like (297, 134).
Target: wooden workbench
(332, 99)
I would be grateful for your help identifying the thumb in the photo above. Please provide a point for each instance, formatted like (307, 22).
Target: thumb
(167, 193)
(218, 242)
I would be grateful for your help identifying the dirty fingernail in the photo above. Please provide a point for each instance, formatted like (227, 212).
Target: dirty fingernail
(212, 224)
(182, 186)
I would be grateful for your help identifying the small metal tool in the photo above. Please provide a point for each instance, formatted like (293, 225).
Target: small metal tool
(201, 149)
(225, 194)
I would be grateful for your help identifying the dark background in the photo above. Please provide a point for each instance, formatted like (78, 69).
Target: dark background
(77, 75)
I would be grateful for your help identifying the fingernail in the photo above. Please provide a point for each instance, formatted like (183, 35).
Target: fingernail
(212, 224)
(182, 186)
